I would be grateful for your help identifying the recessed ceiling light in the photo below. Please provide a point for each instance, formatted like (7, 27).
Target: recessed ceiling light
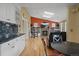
(46, 16)
(49, 13)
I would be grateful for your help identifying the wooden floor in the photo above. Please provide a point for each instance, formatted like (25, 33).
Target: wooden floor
(36, 47)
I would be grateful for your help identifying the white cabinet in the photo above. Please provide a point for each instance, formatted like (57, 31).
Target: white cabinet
(8, 13)
(20, 45)
(0, 50)
(13, 47)
(8, 48)
(2, 12)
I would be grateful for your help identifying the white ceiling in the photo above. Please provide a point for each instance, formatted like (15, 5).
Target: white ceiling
(59, 9)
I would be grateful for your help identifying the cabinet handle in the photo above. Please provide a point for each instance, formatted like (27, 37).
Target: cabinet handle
(7, 19)
(8, 44)
(13, 46)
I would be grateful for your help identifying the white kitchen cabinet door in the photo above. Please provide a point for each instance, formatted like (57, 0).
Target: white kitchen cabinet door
(8, 48)
(20, 45)
(0, 50)
(13, 47)
(2, 12)
(10, 13)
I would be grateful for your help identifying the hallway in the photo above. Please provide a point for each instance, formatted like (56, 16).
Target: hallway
(35, 47)
(27, 29)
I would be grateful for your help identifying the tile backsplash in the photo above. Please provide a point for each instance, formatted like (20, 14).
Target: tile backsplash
(7, 30)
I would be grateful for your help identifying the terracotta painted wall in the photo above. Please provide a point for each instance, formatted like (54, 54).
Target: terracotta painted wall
(39, 21)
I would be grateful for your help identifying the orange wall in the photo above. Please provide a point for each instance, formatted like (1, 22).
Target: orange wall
(39, 21)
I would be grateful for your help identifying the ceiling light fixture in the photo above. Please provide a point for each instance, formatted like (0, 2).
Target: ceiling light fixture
(48, 13)
(46, 16)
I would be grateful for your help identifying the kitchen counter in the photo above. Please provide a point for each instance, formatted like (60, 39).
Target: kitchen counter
(67, 48)
(8, 39)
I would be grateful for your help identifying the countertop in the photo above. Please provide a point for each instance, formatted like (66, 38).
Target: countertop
(8, 39)
(67, 48)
